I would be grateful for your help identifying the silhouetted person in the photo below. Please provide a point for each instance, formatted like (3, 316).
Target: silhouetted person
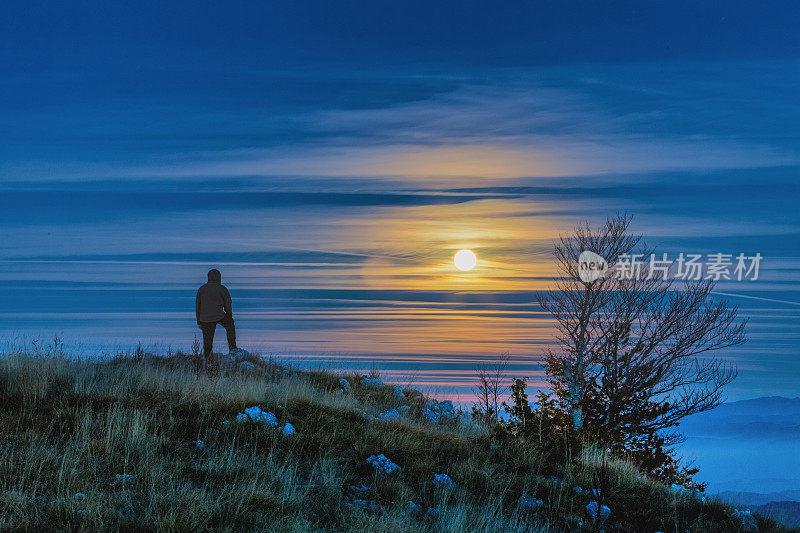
(213, 306)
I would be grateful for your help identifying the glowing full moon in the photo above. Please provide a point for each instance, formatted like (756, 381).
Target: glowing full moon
(465, 260)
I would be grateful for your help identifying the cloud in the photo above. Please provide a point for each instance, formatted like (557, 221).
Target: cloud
(512, 123)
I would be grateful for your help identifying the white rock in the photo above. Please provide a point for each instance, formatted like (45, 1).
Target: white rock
(345, 385)
(391, 414)
(412, 507)
(381, 463)
(257, 415)
(443, 481)
(598, 512)
(288, 429)
(80, 496)
(199, 445)
(430, 416)
(446, 410)
(125, 477)
(530, 503)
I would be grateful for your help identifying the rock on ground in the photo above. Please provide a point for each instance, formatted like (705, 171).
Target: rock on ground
(371, 381)
(430, 416)
(246, 366)
(240, 354)
(256, 414)
(598, 512)
(439, 412)
(443, 481)
(446, 410)
(412, 507)
(530, 503)
(391, 414)
(288, 429)
(382, 463)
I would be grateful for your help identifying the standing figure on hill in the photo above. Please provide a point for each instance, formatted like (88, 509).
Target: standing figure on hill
(212, 307)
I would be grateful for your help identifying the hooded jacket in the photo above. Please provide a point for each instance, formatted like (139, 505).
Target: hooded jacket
(213, 300)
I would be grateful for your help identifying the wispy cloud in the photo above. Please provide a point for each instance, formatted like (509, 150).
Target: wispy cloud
(499, 124)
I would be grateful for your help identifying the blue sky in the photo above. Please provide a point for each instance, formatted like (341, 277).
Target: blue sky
(330, 157)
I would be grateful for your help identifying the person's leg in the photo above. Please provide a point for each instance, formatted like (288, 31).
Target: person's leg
(208, 337)
(227, 323)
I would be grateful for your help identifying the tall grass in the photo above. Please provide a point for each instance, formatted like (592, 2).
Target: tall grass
(112, 445)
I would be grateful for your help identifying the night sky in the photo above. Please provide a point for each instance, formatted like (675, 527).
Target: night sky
(330, 157)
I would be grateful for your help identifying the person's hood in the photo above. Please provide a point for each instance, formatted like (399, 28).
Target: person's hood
(214, 276)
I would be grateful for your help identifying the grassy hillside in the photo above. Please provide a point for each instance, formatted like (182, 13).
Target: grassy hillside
(88, 446)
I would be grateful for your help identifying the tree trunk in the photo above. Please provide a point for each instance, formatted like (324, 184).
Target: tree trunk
(577, 419)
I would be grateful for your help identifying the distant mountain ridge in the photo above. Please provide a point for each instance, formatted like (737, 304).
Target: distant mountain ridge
(758, 498)
(765, 416)
(747, 446)
(751, 448)
(787, 512)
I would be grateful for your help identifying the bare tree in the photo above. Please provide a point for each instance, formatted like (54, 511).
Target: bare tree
(490, 387)
(635, 346)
